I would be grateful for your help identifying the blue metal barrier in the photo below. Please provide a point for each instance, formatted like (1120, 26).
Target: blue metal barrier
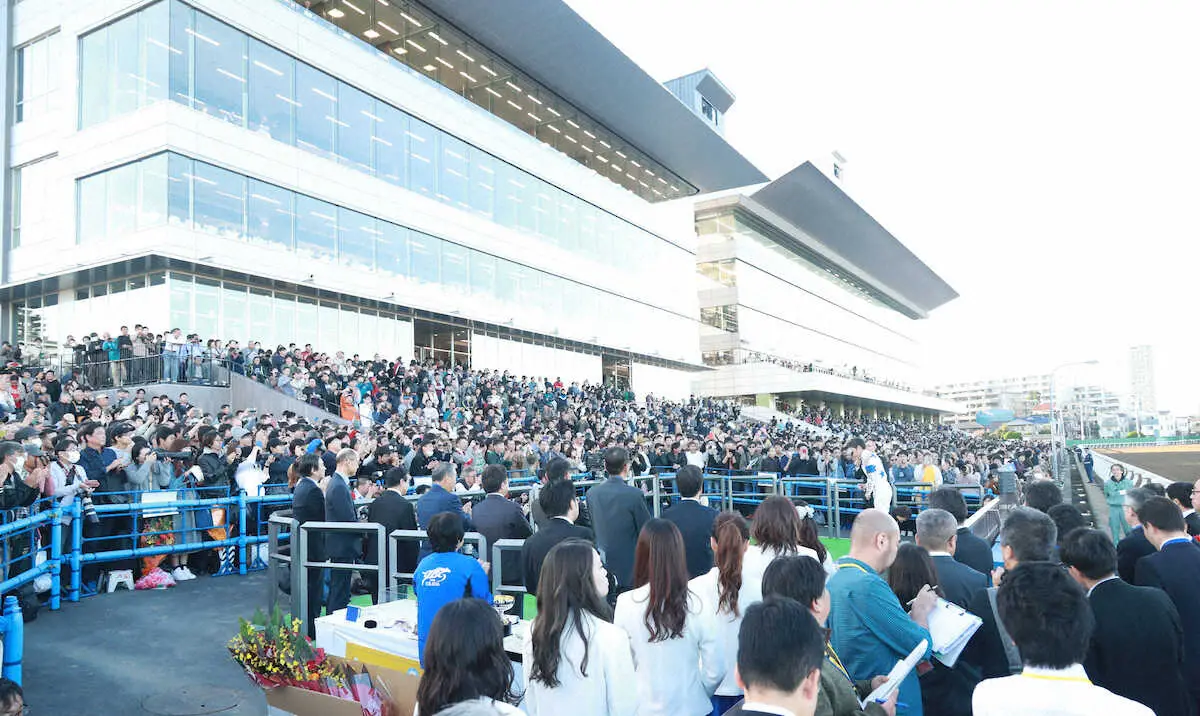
(12, 627)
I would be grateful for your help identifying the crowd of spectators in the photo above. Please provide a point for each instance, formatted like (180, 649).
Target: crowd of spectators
(638, 614)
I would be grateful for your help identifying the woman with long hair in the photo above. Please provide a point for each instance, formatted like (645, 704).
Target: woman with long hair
(574, 654)
(781, 527)
(465, 660)
(725, 593)
(676, 645)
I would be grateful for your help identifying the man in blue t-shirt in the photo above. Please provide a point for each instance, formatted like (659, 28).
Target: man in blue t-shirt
(445, 575)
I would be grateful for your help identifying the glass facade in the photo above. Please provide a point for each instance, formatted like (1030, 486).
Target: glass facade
(33, 199)
(36, 78)
(169, 189)
(168, 49)
(723, 318)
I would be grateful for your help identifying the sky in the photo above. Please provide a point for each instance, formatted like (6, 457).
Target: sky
(1042, 157)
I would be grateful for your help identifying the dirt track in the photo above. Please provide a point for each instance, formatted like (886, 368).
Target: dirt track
(1177, 464)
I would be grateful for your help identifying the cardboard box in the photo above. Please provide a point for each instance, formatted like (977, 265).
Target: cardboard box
(288, 700)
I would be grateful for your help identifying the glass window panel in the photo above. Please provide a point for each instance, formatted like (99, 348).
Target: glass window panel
(152, 194)
(306, 322)
(348, 330)
(180, 302)
(328, 321)
(508, 281)
(316, 109)
(220, 198)
(271, 213)
(123, 65)
(355, 124)
(94, 78)
(207, 305)
(483, 182)
(91, 212)
(179, 190)
(262, 322)
(483, 274)
(568, 221)
(531, 286)
(316, 228)
(17, 209)
(220, 70)
(522, 185)
(551, 301)
(356, 239)
(183, 19)
(425, 251)
(390, 140)
(422, 153)
(391, 251)
(588, 217)
(453, 185)
(454, 267)
(604, 236)
(121, 200)
(37, 78)
(272, 90)
(544, 210)
(234, 305)
(154, 31)
(285, 318)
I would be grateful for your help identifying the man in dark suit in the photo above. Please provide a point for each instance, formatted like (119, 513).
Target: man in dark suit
(392, 510)
(497, 518)
(779, 655)
(969, 549)
(559, 502)
(1175, 569)
(694, 520)
(937, 533)
(1183, 494)
(618, 511)
(308, 505)
(441, 498)
(1134, 545)
(1137, 645)
(1028, 535)
(343, 546)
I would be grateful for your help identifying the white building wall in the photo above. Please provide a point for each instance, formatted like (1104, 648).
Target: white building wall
(661, 382)
(528, 359)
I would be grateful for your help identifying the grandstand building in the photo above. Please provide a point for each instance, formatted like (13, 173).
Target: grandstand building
(483, 181)
(805, 298)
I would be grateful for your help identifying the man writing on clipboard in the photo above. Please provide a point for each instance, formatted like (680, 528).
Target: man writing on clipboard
(870, 629)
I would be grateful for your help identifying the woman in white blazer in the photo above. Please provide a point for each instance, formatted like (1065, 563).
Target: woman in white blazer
(676, 645)
(724, 594)
(781, 527)
(576, 661)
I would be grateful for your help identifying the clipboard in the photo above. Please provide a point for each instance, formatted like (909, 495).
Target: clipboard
(950, 628)
(897, 675)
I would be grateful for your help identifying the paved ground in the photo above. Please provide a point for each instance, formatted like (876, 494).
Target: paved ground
(113, 654)
(1175, 464)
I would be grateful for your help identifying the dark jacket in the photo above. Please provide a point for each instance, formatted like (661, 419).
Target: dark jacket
(535, 549)
(1193, 524)
(437, 499)
(618, 511)
(339, 507)
(801, 466)
(394, 512)
(974, 552)
(215, 469)
(957, 582)
(497, 518)
(1175, 569)
(985, 651)
(1137, 647)
(1130, 549)
(308, 505)
(695, 522)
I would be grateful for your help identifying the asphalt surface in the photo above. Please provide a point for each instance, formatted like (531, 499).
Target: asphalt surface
(151, 652)
(1176, 465)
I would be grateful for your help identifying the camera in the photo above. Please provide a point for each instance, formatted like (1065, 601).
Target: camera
(166, 455)
(89, 509)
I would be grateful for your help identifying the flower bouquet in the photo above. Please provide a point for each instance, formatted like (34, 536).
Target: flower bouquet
(274, 652)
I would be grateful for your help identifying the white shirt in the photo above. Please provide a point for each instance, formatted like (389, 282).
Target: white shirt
(1102, 581)
(499, 706)
(606, 688)
(676, 677)
(699, 459)
(1050, 692)
(766, 708)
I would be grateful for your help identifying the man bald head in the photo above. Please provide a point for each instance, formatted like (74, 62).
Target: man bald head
(875, 539)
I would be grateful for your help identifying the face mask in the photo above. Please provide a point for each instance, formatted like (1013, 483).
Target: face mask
(73, 456)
